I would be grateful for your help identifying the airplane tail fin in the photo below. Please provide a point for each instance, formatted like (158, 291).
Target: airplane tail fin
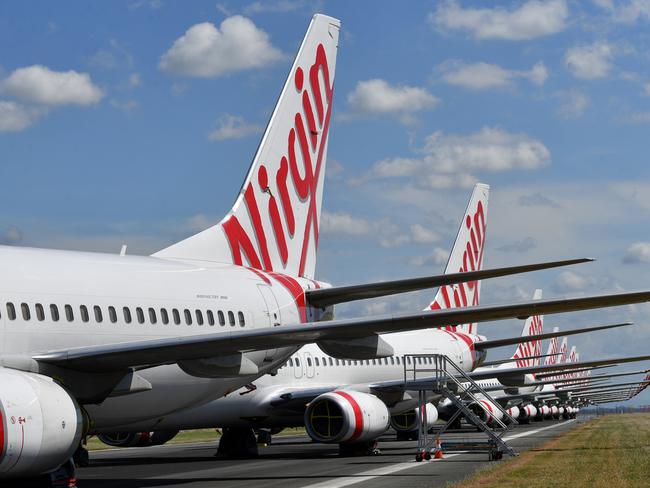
(466, 255)
(551, 357)
(273, 225)
(563, 348)
(532, 326)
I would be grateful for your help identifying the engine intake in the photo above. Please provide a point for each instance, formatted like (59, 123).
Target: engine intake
(410, 420)
(40, 424)
(346, 417)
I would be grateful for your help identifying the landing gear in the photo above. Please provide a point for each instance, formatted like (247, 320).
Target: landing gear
(264, 437)
(411, 435)
(80, 457)
(237, 443)
(369, 448)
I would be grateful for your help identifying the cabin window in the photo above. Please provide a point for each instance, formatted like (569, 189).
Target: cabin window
(177, 316)
(69, 314)
(152, 315)
(11, 311)
(317, 361)
(392, 360)
(112, 314)
(309, 361)
(240, 316)
(231, 318)
(290, 361)
(40, 313)
(222, 319)
(331, 361)
(210, 317)
(139, 313)
(199, 317)
(98, 314)
(54, 313)
(24, 308)
(297, 362)
(188, 317)
(164, 316)
(127, 314)
(84, 313)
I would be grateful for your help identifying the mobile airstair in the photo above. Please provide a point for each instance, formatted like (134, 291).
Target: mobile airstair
(437, 375)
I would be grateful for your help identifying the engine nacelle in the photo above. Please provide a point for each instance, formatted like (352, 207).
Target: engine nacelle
(513, 412)
(40, 424)
(410, 420)
(555, 412)
(544, 411)
(486, 411)
(137, 439)
(528, 412)
(346, 416)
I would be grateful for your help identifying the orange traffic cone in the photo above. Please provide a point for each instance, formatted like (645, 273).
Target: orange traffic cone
(438, 453)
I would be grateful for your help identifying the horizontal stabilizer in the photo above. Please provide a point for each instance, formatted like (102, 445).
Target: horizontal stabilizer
(153, 352)
(503, 374)
(516, 340)
(510, 360)
(325, 297)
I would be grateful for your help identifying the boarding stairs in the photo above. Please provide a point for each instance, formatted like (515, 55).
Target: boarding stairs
(438, 375)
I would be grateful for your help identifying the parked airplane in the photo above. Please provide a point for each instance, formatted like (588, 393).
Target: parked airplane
(91, 342)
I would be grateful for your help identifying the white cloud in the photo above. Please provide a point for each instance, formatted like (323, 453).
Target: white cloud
(39, 84)
(573, 104)
(384, 231)
(481, 76)
(344, 224)
(590, 61)
(15, 117)
(278, 6)
(646, 89)
(639, 252)
(437, 257)
(135, 80)
(423, 235)
(529, 20)
(206, 51)
(125, 105)
(631, 12)
(378, 97)
(449, 158)
(232, 127)
(568, 281)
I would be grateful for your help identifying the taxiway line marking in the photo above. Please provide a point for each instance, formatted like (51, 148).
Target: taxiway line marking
(353, 479)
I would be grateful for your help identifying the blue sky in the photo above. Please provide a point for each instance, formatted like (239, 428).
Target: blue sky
(105, 143)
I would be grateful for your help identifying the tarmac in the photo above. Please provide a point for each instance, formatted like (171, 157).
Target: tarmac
(295, 461)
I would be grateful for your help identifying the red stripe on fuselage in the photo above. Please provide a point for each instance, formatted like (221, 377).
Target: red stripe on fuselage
(358, 416)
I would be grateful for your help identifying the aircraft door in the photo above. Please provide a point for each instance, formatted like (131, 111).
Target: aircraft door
(297, 365)
(272, 308)
(309, 365)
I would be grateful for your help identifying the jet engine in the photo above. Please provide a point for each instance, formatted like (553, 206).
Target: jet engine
(528, 412)
(486, 411)
(137, 439)
(346, 417)
(410, 420)
(513, 412)
(40, 424)
(555, 412)
(544, 411)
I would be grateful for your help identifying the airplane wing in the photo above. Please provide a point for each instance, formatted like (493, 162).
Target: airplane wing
(516, 340)
(507, 376)
(324, 297)
(121, 356)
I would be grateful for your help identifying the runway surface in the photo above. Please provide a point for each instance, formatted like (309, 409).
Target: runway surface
(296, 462)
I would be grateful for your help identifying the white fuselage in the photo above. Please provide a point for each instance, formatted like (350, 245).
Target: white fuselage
(308, 369)
(77, 285)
